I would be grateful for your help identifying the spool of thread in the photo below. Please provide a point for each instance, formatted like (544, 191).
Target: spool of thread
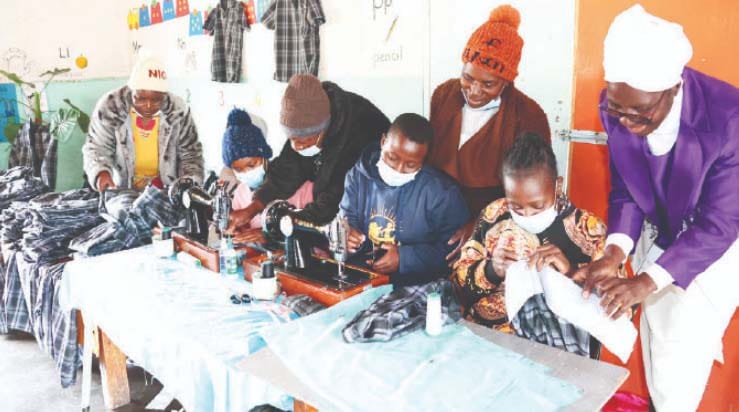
(163, 248)
(189, 260)
(268, 269)
(433, 314)
(264, 288)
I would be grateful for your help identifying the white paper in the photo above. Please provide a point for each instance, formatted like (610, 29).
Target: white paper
(564, 298)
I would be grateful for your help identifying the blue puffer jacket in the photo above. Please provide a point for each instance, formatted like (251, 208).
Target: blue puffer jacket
(419, 217)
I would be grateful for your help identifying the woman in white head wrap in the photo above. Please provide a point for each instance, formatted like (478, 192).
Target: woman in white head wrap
(673, 140)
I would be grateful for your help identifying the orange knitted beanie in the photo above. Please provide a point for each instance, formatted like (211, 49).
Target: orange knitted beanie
(496, 46)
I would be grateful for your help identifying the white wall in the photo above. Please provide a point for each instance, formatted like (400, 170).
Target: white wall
(38, 35)
(396, 69)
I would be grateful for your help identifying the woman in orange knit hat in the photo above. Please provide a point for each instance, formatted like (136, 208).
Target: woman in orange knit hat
(476, 117)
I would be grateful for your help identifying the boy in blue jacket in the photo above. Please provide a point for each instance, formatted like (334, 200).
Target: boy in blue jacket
(402, 211)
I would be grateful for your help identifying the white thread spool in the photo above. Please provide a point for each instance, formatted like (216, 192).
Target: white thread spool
(433, 314)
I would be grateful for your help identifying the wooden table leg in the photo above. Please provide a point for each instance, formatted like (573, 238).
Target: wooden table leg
(112, 372)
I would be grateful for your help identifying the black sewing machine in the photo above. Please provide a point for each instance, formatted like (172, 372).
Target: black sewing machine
(203, 205)
(298, 237)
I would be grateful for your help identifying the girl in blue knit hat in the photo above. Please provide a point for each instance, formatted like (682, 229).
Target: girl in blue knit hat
(246, 152)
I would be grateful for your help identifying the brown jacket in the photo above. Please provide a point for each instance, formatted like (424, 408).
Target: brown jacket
(477, 165)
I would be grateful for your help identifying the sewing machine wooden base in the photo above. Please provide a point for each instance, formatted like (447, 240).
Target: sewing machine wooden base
(293, 284)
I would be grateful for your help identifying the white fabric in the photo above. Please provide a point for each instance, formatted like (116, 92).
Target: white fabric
(564, 298)
(682, 331)
(473, 120)
(623, 241)
(645, 51)
(663, 138)
(178, 323)
(148, 74)
(659, 275)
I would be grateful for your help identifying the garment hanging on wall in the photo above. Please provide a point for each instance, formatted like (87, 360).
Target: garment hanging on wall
(297, 41)
(227, 23)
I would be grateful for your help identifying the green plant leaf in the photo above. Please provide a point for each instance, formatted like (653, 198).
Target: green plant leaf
(62, 123)
(57, 71)
(11, 130)
(83, 120)
(16, 79)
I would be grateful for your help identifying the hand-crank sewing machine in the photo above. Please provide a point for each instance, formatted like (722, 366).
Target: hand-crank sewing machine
(295, 245)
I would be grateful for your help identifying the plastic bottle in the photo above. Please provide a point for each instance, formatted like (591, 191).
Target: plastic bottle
(231, 260)
(222, 256)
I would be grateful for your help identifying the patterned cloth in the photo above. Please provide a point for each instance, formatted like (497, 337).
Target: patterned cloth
(13, 309)
(55, 331)
(19, 184)
(36, 148)
(401, 312)
(130, 227)
(297, 41)
(578, 234)
(227, 23)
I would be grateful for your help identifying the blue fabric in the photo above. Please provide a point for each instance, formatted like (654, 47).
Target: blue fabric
(243, 139)
(420, 216)
(456, 370)
(178, 323)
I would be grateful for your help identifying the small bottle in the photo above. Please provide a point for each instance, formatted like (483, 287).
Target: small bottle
(433, 314)
(222, 256)
(231, 259)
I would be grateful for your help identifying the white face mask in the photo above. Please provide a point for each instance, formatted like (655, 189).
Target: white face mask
(536, 223)
(252, 178)
(492, 104)
(391, 176)
(309, 151)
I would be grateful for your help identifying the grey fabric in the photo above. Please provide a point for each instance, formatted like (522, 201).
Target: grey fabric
(401, 312)
(34, 147)
(19, 184)
(109, 144)
(535, 321)
(226, 23)
(297, 40)
(130, 227)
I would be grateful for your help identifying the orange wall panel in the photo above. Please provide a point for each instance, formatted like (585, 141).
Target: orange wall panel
(713, 28)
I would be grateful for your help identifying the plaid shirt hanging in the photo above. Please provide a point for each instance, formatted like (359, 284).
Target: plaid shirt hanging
(297, 41)
(227, 23)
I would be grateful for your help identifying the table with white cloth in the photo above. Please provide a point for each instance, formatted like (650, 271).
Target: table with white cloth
(178, 323)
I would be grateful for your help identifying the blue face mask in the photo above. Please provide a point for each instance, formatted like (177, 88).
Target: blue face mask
(492, 104)
(252, 178)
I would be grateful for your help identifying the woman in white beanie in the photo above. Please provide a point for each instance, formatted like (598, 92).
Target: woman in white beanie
(141, 134)
(673, 141)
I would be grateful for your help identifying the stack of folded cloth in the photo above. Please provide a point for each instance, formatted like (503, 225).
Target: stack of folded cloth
(128, 223)
(19, 184)
(54, 219)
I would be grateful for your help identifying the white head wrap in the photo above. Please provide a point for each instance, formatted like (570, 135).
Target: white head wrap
(644, 51)
(148, 74)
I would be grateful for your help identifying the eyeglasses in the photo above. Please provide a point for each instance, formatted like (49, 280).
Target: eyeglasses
(634, 118)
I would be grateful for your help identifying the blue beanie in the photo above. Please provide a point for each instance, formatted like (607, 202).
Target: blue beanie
(243, 139)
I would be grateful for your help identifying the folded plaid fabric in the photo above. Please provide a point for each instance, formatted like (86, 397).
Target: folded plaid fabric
(19, 184)
(400, 312)
(536, 321)
(302, 305)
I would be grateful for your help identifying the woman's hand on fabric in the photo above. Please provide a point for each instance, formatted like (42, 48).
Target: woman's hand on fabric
(604, 268)
(550, 255)
(104, 181)
(618, 295)
(354, 240)
(459, 238)
(502, 260)
(389, 262)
